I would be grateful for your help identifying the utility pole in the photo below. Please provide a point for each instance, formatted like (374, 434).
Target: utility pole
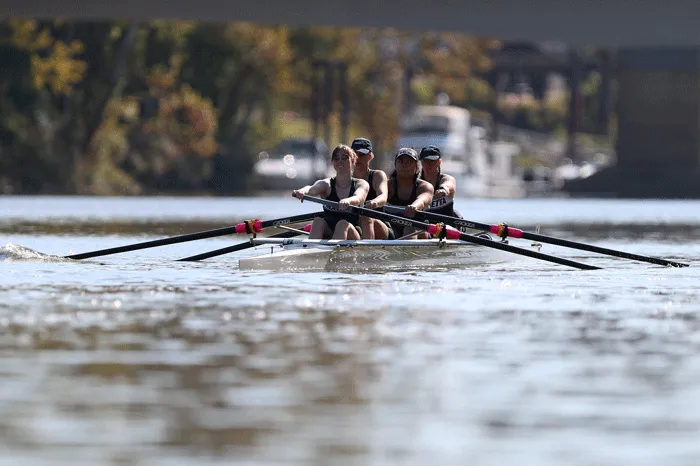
(605, 92)
(574, 102)
(333, 74)
(344, 101)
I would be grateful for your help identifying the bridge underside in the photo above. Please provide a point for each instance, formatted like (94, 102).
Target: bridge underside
(614, 23)
(658, 66)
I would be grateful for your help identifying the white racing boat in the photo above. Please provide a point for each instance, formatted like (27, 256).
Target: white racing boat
(367, 255)
(456, 249)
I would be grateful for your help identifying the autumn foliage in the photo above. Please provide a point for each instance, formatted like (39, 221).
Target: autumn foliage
(167, 106)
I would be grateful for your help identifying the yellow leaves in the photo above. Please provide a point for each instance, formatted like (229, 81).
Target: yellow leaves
(190, 121)
(23, 33)
(161, 81)
(39, 71)
(43, 40)
(54, 63)
(454, 59)
(451, 57)
(263, 45)
(175, 31)
(541, 114)
(59, 70)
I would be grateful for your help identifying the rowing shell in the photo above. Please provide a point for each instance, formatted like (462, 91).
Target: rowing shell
(365, 255)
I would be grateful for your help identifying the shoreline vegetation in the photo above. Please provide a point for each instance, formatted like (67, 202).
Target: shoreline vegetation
(180, 108)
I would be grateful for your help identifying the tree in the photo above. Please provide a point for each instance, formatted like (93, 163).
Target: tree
(240, 68)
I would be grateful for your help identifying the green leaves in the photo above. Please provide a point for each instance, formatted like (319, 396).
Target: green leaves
(139, 106)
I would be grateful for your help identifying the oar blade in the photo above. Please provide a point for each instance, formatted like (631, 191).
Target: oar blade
(504, 231)
(155, 243)
(602, 250)
(253, 226)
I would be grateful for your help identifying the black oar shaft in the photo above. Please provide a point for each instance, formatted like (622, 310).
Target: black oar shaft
(601, 250)
(189, 237)
(404, 221)
(155, 243)
(234, 248)
(458, 222)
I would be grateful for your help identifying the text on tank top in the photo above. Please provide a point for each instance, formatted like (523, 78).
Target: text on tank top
(444, 206)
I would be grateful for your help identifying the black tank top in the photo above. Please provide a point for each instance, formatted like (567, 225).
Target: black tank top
(442, 206)
(372, 193)
(333, 196)
(394, 197)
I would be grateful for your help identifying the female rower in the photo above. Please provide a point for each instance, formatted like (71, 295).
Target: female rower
(345, 190)
(407, 189)
(444, 185)
(372, 228)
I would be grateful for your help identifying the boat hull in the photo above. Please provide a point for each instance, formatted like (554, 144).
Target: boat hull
(371, 256)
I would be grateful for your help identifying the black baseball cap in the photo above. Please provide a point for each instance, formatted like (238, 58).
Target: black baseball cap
(410, 151)
(430, 153)
(361, 145)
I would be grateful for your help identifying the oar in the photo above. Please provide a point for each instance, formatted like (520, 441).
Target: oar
(239, 247)
(504, 231)
(252, 226)
(450, 234)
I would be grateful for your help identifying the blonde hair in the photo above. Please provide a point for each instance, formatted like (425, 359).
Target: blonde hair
(342, 149)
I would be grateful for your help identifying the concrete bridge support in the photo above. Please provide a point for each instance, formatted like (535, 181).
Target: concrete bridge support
(658, 144)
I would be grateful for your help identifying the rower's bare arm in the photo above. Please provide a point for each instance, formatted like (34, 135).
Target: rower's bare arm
(358, 198)
(319, 188)
(380, 183)
(424, 195)
(448, 187)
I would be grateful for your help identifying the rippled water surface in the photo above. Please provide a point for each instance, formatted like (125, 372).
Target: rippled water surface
(136, 358)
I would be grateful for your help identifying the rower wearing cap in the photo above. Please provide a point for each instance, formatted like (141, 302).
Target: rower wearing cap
(407, 189)
(378, 193)
(444, 185)
(345, 190)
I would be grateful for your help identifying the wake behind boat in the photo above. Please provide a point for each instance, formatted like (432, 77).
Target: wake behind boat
(366, 255)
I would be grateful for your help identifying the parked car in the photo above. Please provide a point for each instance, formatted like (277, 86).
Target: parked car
(293, 163)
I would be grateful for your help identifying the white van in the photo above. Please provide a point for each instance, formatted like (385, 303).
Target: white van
(446, 127)
(482, 168)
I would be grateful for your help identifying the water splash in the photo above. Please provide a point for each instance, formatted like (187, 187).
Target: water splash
(16, 252)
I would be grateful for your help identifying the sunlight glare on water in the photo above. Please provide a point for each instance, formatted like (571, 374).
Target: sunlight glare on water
(135, 358)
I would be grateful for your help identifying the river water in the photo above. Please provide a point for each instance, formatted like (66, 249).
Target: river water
(136, 359)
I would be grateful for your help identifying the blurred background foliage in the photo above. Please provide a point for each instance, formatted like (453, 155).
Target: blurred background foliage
(117, 108)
